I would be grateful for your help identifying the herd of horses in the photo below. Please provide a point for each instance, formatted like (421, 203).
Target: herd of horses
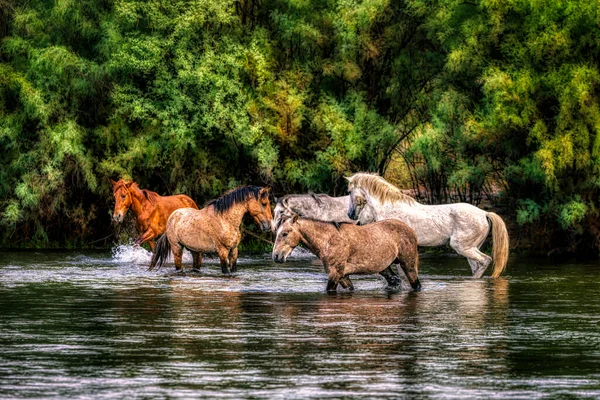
(366, 232)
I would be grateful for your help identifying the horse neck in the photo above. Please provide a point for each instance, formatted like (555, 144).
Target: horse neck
(311, 234)
(389, 209)
(138, 201)
(235, 213)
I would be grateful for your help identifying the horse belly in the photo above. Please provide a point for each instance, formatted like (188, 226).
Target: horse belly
(201, 243)
(370, 258)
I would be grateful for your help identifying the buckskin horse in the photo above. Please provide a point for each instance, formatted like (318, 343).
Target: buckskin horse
(215, 228)
(150, 209)
(462, 225)
(328, 209)
(351, 249)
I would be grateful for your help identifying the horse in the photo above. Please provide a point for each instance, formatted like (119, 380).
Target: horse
(351, 249)
(317, 206)
(324, 208)
(150, 209)
(214, 228)
(462, 225)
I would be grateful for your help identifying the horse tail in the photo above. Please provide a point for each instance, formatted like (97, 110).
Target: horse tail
(500, 238)
(161, 252)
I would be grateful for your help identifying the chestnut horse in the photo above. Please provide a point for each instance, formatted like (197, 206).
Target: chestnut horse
(215, 228)
(151, 210)
(351, 249)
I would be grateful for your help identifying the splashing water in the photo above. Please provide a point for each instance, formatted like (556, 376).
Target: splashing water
(130, 254)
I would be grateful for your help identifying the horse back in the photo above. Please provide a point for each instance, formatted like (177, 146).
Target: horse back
(380, 234)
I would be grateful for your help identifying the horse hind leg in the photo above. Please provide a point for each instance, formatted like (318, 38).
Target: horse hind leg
(477, 260)
(347, 283)
(177, 255)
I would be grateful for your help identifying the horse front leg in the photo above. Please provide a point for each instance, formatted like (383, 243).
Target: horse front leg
(410, 266)
(233, 256)
(148, 235)
(224, 258)
(197, 260)
(393, 280)
(336, 274)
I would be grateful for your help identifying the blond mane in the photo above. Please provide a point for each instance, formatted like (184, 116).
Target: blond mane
(379, 188)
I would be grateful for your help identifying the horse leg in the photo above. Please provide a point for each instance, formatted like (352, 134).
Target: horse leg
(233, 256)
(347, 283)
(410, 266)
(148, 235)
(391, 277)
(224, 257)
(197, 260)
(332, 285)
(177, 255)
(477, 260)
(336, 274)
(152, 244)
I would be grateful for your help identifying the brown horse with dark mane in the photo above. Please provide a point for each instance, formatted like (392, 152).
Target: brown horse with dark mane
(213, 229)
(150, 209)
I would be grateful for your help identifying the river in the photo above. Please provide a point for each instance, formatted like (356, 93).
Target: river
(99, 325)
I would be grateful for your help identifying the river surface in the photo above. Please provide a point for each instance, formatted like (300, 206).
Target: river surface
(99, 325)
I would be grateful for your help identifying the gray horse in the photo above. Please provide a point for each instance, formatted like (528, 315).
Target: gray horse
(327, 209)
(462, 225)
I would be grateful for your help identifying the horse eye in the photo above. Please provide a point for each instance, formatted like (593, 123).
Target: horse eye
(123, 196)
(284, 234)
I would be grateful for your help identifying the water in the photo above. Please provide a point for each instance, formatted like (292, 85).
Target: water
(99, 325)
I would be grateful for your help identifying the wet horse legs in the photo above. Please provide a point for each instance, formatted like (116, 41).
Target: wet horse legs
(391, 277)
(347, 283)
(233, 256)
(197, 260)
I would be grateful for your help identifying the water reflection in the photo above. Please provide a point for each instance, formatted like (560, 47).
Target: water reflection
(89, 327)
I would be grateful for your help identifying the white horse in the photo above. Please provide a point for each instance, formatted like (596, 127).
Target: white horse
(462, 225)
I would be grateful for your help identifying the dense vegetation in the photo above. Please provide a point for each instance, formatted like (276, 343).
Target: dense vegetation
(455, 99)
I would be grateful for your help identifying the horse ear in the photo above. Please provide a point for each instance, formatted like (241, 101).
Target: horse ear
(128, 184)
(295, 218)
(347, 178)
(113, 182)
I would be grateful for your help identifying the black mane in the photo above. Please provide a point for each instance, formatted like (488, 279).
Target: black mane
(235, 196)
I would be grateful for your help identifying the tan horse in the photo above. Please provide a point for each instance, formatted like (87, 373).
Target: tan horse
(150, 209)
(215, 228)
(347, 249)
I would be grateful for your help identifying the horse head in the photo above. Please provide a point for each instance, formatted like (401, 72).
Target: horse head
(282, 210)
(260, 209)
(123, 199)
(287, 239)
(358, 201)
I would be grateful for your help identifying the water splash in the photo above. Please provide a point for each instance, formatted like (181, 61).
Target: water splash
(128, 253)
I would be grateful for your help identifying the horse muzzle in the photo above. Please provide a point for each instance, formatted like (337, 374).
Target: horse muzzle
(279, 258)
(352, 214)
(118, 218)
(265, 226)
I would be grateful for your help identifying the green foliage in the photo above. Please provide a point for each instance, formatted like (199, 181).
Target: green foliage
(199, 96)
